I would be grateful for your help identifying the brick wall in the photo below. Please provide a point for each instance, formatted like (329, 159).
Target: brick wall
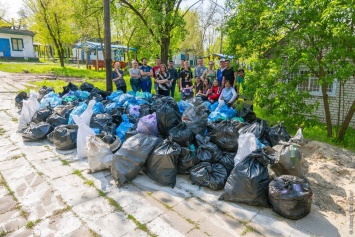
(349, 97)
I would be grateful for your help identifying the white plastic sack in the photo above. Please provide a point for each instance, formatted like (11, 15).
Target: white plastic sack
(83, 132)
(86, 115)
(246, 145)
(99, 154)
(29, 108)
(298, 138)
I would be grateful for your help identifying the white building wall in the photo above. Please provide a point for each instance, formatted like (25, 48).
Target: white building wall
(28, 50)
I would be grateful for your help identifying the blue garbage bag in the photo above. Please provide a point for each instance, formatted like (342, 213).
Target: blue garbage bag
(124, 127)
(98, 108)
(144, 95)
(214, 116)
(183, 105)
(78, 110)
(132, 93)
(111, 106)
(229, 112)
(82, 95)
(121, 99)
(114, 94)
(214, 106)
(96, 130)
(208, 104)
(51, 98)
(141, 101)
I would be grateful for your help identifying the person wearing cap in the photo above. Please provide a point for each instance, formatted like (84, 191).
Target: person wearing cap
(200, 68)
(219, 71)
(173, 76)
(156, 70)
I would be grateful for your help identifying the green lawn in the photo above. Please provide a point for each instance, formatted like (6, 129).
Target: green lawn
(46, 68)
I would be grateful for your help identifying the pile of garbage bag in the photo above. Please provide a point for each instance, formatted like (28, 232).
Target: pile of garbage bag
(218, 147)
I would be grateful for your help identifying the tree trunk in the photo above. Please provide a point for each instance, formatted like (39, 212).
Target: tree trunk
(328, 119)
(346, 122)
(61, 52)
(164, 50)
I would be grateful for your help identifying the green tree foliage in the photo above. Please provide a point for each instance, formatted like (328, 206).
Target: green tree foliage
(315, 33)
(52, 21)
(162, 19)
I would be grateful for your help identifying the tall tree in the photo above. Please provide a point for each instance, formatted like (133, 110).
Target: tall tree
(161, 18)
(314, 33)
(53, 23)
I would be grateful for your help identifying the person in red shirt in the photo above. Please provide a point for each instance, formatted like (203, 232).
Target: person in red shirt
(156, 70)
(215, 92)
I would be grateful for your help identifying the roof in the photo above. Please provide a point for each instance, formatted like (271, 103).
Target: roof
(223, 55)
(7, 30)
(93, 45)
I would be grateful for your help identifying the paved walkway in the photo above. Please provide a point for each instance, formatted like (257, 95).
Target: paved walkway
(47, 192)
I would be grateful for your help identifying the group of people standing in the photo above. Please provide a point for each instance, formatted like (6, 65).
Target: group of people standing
(221, 85)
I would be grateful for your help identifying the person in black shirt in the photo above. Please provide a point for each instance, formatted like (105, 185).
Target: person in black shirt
(198, 85)
(174, 76)
(228, 74)
(117, 78)
(185, 82)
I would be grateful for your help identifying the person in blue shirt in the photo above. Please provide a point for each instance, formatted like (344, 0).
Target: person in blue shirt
(146, 73)
(220, 71)
(228, 95)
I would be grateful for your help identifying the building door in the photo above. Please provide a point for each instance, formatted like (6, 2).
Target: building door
(5, 47)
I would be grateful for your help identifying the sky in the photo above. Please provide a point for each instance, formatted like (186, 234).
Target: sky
(13, 6)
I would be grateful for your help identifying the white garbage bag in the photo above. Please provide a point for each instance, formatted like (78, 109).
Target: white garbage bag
(99, 154)
(246, 144)
(29, 108)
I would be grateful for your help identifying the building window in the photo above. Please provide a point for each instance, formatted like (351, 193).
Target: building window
(17, 44)
(312, 84)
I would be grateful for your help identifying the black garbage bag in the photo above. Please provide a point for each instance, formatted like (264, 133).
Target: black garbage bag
(211, 126)
(86, 87)
(160, 100)
(209, 175)
(196, 118)
(289, 160)
(196, 101)
(42, 114)
(112, 140)
(278, 133)
(100, 120)
(290, 197)
(98, 94)
(161, 163)
(248, 181)
(167, 117)
(225, 136)
(131, 132)
(132, 119)
(36, 131)
(247, 114)
(129, 160)
(56, 120)
(187, 159)
(109, 127)
(116, 114)
(227, 160)
(258, 128)
(64, 136)
(144, 110)
(19, 99)
(206, 150)
(69, 87)
(182, 135)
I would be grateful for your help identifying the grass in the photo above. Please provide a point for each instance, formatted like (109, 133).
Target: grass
(140, 226)
(2, 233)
(64, 162)
(31, 224)
(14, 120)
(49, 68)
(89, 183)
(94, 233)
(2, 131)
